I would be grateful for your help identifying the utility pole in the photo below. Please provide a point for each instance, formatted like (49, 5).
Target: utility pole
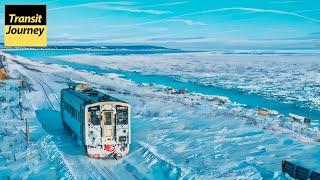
(20, 98)
(27, 130)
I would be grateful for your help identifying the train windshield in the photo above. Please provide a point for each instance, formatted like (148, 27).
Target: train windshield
(95, 119)
(122, 115)
(94, 116)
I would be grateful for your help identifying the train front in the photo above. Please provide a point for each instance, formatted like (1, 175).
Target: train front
(107, 129)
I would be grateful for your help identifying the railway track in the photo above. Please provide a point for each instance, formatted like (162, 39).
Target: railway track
(51, 90)
(44, 86)
(45, 92)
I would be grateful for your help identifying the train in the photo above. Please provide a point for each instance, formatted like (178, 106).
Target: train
(98, 121)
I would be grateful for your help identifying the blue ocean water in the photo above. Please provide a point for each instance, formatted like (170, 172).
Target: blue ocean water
(236, 95)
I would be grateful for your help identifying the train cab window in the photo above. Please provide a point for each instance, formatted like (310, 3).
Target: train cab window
(95, 119)
(122, 115)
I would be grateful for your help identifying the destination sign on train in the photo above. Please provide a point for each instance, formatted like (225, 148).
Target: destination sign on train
(25, 25)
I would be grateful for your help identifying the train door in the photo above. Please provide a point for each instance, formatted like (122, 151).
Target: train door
(108, 124)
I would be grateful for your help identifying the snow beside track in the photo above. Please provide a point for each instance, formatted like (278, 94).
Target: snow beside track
(18, 159)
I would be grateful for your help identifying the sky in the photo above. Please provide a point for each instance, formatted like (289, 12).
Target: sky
(189, 24)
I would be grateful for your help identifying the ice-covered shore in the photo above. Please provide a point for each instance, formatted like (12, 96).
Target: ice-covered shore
(186, 135)
(285, 77)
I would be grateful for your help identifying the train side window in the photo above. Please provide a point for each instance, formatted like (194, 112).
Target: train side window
(81, 115)
(78, 116)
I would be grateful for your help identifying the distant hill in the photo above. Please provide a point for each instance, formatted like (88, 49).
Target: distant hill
(131, 47)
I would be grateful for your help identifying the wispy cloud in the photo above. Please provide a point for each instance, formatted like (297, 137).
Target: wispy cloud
(91, 4)
(166, 4)
(125, 6)
(156, 29)
(128, 9)
(253, 10)
(187, 22)
(307, 10)
(48, 2)
(287, 2)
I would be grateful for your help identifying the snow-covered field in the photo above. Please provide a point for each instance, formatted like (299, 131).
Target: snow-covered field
(289, 78)
(179, 136)
(18, 159)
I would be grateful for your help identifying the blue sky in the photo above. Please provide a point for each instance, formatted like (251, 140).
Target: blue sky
(195, 24)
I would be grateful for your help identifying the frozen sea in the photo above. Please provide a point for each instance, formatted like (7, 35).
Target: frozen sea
(188, 136)
(284, 81)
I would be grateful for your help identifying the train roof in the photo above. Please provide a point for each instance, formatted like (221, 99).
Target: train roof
(92, 95)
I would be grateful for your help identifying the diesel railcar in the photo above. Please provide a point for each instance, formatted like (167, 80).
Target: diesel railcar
(99, 121)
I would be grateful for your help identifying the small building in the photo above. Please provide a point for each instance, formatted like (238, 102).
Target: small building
(3, 69)
(170, 90)
(263, 112)
(300, 118)
(182, 91)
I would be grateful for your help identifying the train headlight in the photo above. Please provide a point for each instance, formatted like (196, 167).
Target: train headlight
(122, 138)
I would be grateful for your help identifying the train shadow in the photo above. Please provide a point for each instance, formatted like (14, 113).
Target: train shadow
(51, 123)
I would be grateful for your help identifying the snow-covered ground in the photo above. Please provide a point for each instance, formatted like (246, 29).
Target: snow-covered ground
(175, 135)
(289, 78)
(18, 159)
